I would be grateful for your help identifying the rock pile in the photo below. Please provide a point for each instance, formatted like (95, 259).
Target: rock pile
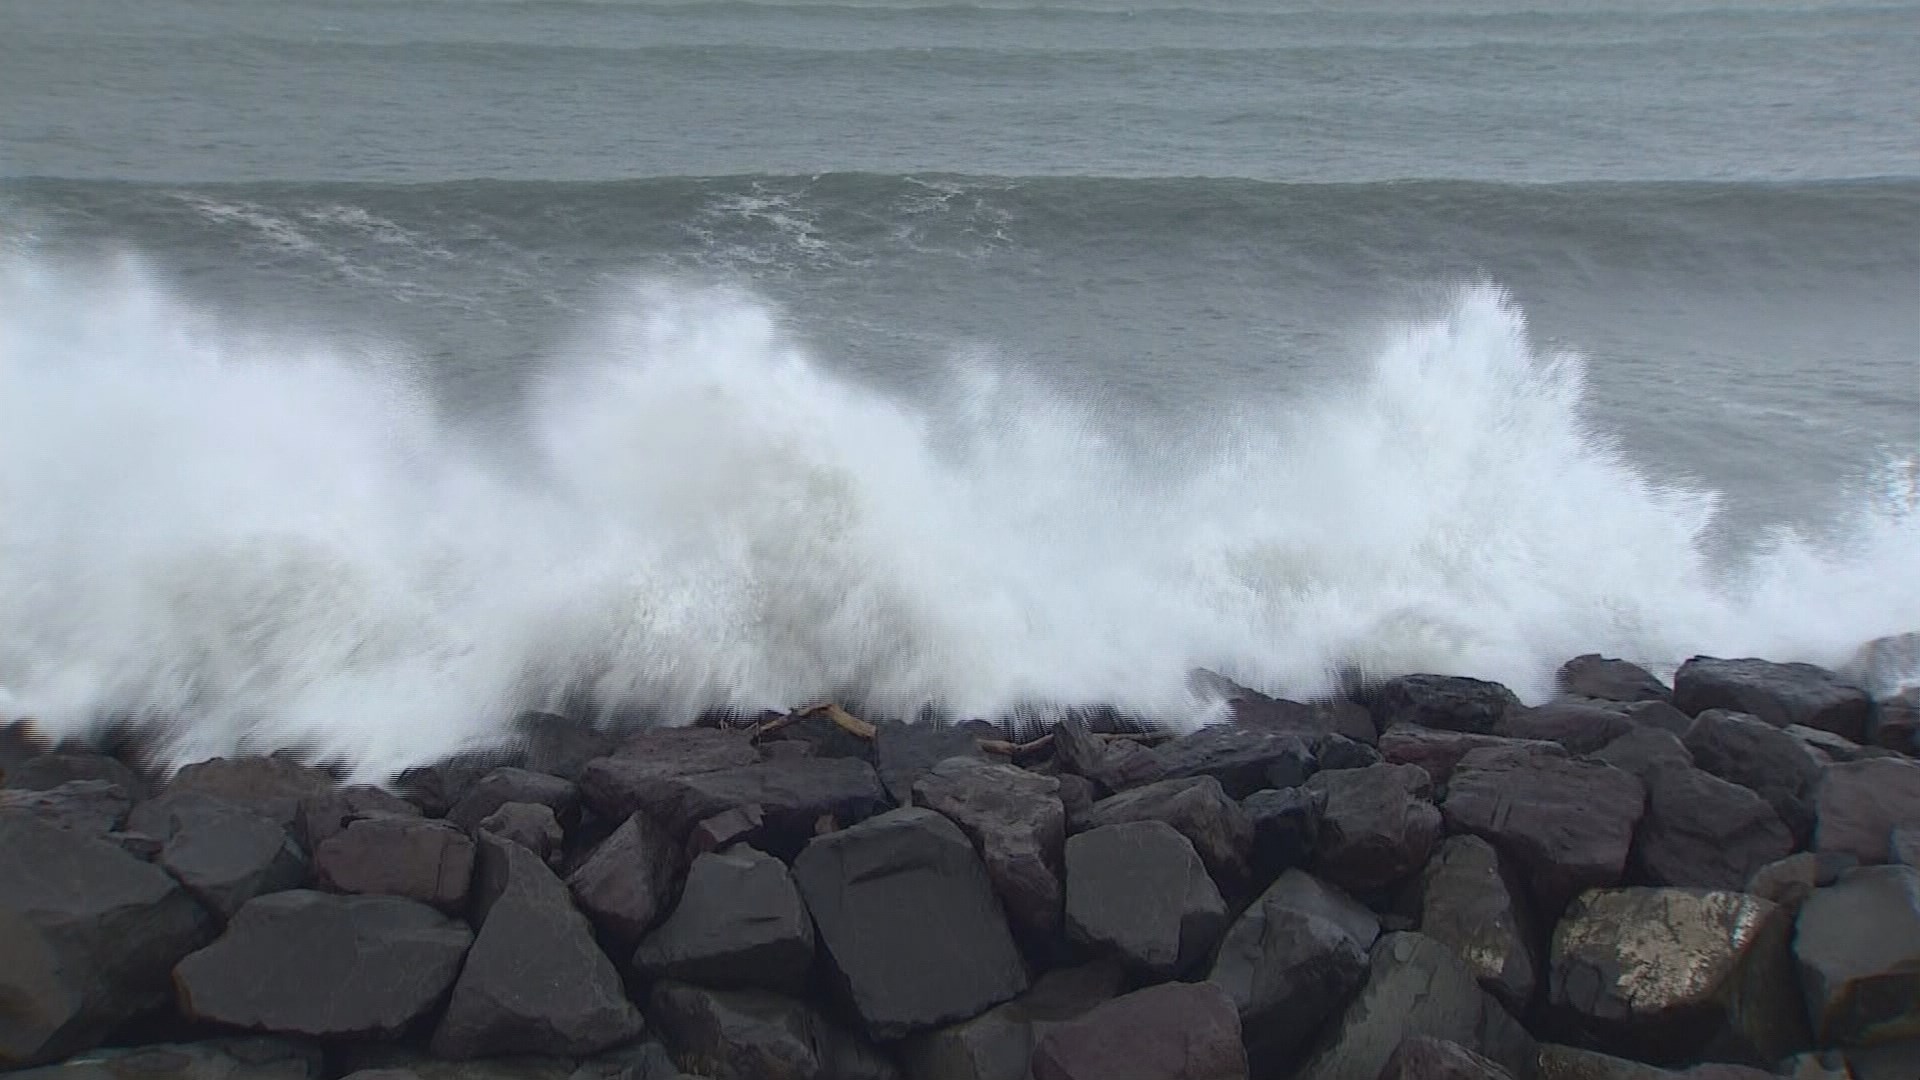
(1429, 881)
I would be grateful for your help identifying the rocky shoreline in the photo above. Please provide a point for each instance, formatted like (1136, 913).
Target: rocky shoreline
(1422, 881)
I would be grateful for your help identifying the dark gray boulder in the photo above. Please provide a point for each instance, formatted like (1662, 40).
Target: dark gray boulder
(243, 1058)
(740, 924)
(875, 890)
(797, 797)
(1018, 824)
(1645, 749)
(1198, 809)
(1780, 694)
(1138, 891)
(1422, 1057)
(512, 785)
(327, 814)
(535, 982)
(1857, 945)
(42, 771)
(757, 1035)
(629, 881)
(1706, 832)
(317, 964)
(275, 787)
(998, 1044)
(904, 752)
(88, 935)
(416, 858)
(1442, 702)
(1439, 752)
(225, 854)
(89, 807)
(531, 825)
(637, 777)
(1595, 676)
(1377, 825)
(1286, 828)
(1581, 728)
(1175, 1031)
(1858, 804)
(1470, 903)
(1244, 759)
(1760, 757)
(1112, 765)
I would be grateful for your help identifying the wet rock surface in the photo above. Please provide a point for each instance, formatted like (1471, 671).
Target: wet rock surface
(1197, 808)
(1595, 676)
(1377, 825)
(740, 923)
(415, 858)
(1174, 1031)
(1138, 892)
(1779, 694)
(1470, 903)
(1857, 944)
(1018, 824)
(1858, 804)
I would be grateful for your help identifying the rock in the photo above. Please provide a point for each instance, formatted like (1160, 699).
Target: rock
(875, 889)
(997, 1044)
(273, 787)
(628, 882)
(44, 772)
(636, 778)
(1645, 749)
(88, 935)
(1377, 826)
(1592, 676)
(756, 1035)
(1114, 766)
(1816, 1065)
(1582, 729)
(1291, 959)
(724, 829)
(1566, 824)
(905, 752)
(416, 858)
(1339, 752)
(223, 853)
(534, 982)
(1760, 757)
(1678, 974)
(1176, 1031)
(1569, 1063)
(1077, 794)
(1286, 828)
(560, 746)
(1421, 1057)
(326, 815)
(1469, 903)
(1892, 1061)
(531, 825)
(1699, 830)
(1138, 891)
(1441, 702)
(1779, 694)
(1309, 720)
(1243, 759)
(740, 924)
(89, 807)
(511, 785)
(316, 964)
(1859, 803)
(1898, 726)
(793, 795)
(1857, 944)
(1439, 752)
(247, 1058)
(1827, 746)
(1658, 714)
(1198, 809)
(1416, 986)
(1016, 821)
(1903, 845)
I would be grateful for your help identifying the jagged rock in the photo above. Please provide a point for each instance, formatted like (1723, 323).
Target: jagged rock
(46, 771)
(1332, 751)
(1859, 803)
(1582, 729)
(535, 982)
(1139, 892)
(1469, 903)
(717, 833)
(1286, 828)
(247, 1058)
(1815, 1065)
(1898, 723)
(1422, 1057)
(1442, 702)
(1114, 766)
(139, 845)
(903, 752)
(637, 777)
(1291, 959)
(223, 853)
(1016, 821)
(327, 814)
(559, 746)
(1903, 845)
(1771, 763)
(1593, 676)
(756, 1035)
(1198, 809)
(740, 924)
(793, 796)
(1678, 974)
(997, 1044)
(1827, 747)
(1333, 716)
(626, 885)
(1789, 881)
(1699, 830)
(1416, 986)
(88, 935)
(89, 807)
(383, 1061)
(1857, 943)
(1077, 794)
(511, 785)
(437, 788)
(1645, 749)
(1377, 825)
(1175, 1031)
(1780, 694)
(1659, 714)
(875, 889)
(416, 858)
(1440, 752)
(273, 787)
(531, 825)
(316, 964)
(1570, 1063)
(1243, 759)
(1892, 1061)
(1566, 824)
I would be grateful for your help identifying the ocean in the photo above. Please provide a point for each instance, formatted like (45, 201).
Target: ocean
(372, 371)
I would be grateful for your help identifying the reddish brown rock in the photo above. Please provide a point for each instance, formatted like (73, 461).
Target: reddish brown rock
(1377, 826)
(1175, 1031)
(1860, 803)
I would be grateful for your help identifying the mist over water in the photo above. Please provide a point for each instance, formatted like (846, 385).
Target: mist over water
(258, 537)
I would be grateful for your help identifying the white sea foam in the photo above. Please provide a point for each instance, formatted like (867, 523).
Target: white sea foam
(259, 542)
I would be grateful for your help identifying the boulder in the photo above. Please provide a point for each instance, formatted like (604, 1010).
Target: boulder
(244, 1058)
(1439, 752)
(315, 964)
(1422, 1057)
(1582, 729)
(1112, 765)
(1139, 892)
(1470, 903)
(1898, 724)
(223, 853)
(756, 1035)
(1828, 747)
(531, 825)
(904, 752)
(276, 787)
(637, 777)
(416, 858)
(1858, 804)
(629, 881)
(1699, 830)
(1670, 975)
(512, 785)
(1175, 1031)
(1416, 986)
(1857, 944)
(1571, 1063)
(1339, 752)
(535, 982)
(1286, 828)
(1645, 749)
(721, 831)
(1017, 823)
(901, 895)
(1890, 1061)
(1760, 757)
(740, 924)
(1903, 845)
(1292, 958)
(46, 771)
(327, 814)
(88, 935)
(1594, 676)
(1309, 720)
(1441, 702)
(89, 807)
(998, 1044)
(794, 796)
(1377, 825)
(1789, 881)
(1244, 759)
(1198, 809)
(1566, 824)
(1780, 694)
